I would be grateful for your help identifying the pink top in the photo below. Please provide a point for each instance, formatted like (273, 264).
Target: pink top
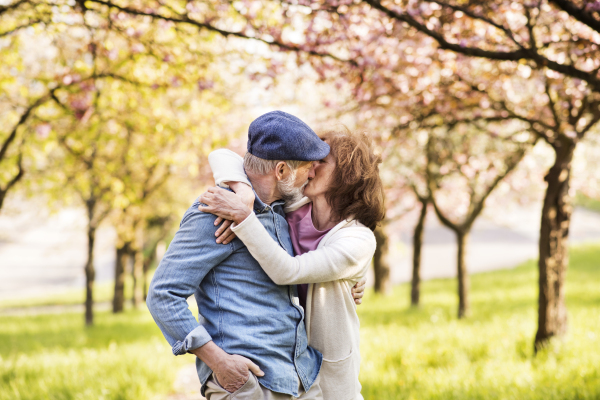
(305, 237)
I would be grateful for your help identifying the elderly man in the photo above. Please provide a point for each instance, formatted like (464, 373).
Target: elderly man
(247, 324)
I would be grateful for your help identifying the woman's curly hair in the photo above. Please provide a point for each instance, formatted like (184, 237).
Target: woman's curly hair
(355, 190)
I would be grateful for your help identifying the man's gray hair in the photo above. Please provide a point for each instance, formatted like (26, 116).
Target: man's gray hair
(261, 166)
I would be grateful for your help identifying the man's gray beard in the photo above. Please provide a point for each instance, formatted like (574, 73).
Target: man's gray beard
(289, 193)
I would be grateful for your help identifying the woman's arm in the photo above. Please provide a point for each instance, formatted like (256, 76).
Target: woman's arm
(347, 257)
(227, 166)
(228, 171)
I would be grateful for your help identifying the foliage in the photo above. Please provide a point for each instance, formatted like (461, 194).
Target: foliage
(464, 165)
(88, 81)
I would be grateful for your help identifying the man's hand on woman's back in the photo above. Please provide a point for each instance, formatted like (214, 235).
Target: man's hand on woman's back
(358, 291)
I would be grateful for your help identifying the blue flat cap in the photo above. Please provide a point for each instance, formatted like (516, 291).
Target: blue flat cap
(281, 136)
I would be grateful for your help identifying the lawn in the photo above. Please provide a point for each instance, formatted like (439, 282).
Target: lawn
(407, 354)
(428, 354)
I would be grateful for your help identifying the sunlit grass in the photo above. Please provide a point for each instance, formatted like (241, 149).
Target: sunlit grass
(407, 354)
(428, 354)
(55, 357)
(587, 202)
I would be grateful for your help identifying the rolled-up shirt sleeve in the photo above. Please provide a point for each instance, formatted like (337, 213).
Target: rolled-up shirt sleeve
(189, 258)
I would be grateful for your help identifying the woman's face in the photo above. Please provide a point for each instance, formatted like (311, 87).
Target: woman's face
(323, 171)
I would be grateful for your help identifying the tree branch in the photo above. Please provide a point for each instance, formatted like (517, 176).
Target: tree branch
(511, 164)
(13, 181)
(13, 134)
(28, 24)
(551, 104)
(473, 15)
(207, 26)
(17, 177)
(443, 43)
(515, 55)
(578, 13)
(589, 126)
(14, 5)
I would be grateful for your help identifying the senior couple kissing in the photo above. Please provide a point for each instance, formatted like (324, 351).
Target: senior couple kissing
(275, 256)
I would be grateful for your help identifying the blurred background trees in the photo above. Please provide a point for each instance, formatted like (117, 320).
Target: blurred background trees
(117, 103)
(107, 109)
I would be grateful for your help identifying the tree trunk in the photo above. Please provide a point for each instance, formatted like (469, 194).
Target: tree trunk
(463, 276)
(415, 288)
(123, 257)
(138, 276)
(2, 197)
(380, 266)
(147, 264)
(553, 247)
(90, 272)
(12, 182)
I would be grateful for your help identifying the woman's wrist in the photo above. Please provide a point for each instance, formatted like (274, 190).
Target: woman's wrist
(244, 191)
(241, 214)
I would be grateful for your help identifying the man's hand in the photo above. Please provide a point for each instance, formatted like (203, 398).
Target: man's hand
(235, 371)
(225, 204)
(231, 371)
(244, 191)
(224, 234)
(358, 291)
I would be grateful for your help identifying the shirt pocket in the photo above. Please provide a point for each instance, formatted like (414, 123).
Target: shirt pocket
(339, 379)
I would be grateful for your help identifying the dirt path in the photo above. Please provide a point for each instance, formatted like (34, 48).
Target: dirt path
(187, 385)
(43, 254)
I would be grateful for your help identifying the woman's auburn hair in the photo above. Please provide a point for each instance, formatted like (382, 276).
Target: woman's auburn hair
(355, 188)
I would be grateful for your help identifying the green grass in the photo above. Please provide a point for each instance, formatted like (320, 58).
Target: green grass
(55, 357)
(587, 202)
(407, 354)
(428, 354)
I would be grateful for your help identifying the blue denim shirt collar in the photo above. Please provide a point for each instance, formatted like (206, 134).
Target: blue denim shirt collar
(260, 206)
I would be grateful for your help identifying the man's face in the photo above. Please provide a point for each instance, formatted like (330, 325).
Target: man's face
(322, 173)
(303, 174)
(292, 187)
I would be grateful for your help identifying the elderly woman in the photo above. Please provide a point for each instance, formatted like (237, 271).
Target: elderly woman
(332, 234)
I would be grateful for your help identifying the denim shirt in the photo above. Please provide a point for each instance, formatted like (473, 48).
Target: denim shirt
(240, 308)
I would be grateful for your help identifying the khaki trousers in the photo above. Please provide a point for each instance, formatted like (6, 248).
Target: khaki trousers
(252, 390)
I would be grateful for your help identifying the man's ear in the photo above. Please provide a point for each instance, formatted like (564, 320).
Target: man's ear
(281, 170)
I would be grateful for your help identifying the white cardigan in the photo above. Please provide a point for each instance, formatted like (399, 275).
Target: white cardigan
(341, 259)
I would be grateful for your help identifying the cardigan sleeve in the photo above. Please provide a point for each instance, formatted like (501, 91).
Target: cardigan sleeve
(347, 255)
(227, 166)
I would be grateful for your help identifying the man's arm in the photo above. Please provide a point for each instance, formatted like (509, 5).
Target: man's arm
(227, 167)
(190, 257)
(231, 370)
